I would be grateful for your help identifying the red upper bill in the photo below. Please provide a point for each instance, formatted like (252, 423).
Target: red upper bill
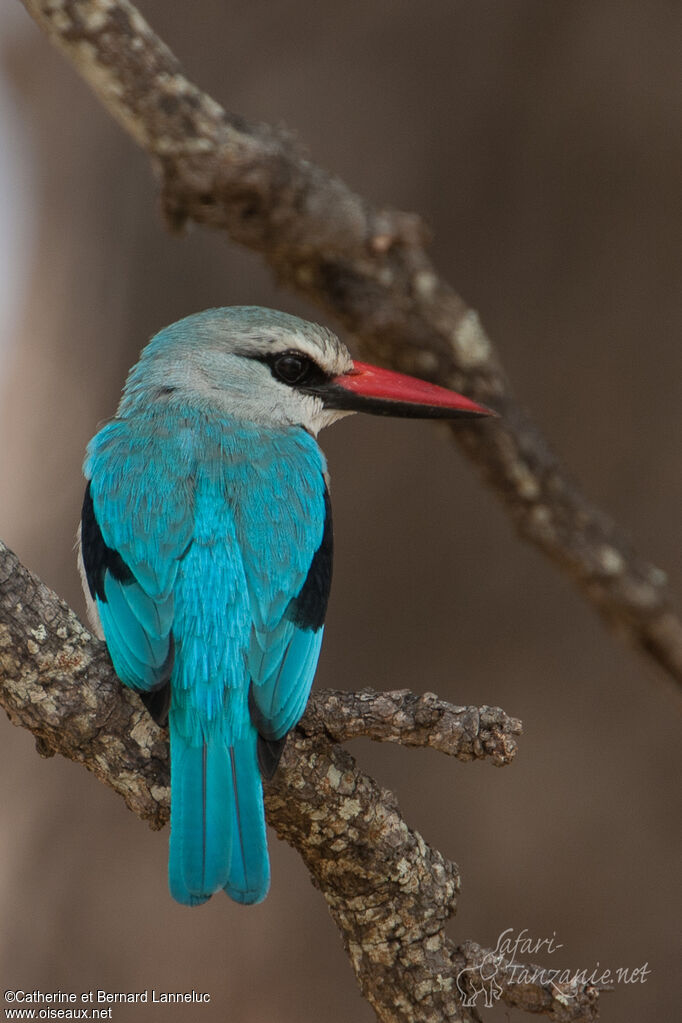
(386, 392)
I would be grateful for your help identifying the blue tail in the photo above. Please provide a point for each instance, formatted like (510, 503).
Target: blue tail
(201, 815)
(249, 877)
(217, 837)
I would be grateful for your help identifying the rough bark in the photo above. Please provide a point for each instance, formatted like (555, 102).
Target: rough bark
(368, 268)
(390, 894)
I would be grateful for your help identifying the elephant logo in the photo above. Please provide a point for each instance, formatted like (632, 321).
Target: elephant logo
(474, 980)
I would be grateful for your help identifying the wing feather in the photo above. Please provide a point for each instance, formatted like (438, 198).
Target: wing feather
(288, 597)
(136, 526)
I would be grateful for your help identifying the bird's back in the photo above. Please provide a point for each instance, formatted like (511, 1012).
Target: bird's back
(215, 524)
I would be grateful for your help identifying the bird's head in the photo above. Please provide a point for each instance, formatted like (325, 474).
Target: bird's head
(278, 370)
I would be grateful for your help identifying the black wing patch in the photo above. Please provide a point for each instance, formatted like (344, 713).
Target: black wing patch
(309, 608)
(269, 750)
(158, 700)
(269, 755)
(97, 557)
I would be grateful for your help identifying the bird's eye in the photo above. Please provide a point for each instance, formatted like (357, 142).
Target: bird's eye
(291, 367)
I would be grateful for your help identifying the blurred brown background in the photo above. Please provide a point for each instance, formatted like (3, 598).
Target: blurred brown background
(542, 142)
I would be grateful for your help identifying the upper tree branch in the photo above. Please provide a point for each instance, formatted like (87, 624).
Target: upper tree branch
(368, 268)
(390, 894)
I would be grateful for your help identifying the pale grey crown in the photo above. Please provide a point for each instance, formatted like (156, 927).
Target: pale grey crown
(221, 360)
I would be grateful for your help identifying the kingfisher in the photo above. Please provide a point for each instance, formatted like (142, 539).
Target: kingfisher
(205, 549)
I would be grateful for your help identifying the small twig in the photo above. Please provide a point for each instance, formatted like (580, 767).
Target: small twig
(404, 717)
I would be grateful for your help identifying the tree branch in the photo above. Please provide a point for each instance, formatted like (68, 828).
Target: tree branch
(369, 269)
(390, 894)
(467, 733)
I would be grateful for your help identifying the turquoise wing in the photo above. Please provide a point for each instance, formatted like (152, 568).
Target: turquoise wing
(136, 525)
(286, 538)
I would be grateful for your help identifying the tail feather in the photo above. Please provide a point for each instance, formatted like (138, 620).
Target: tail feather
(249, 875)
(202, 813)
